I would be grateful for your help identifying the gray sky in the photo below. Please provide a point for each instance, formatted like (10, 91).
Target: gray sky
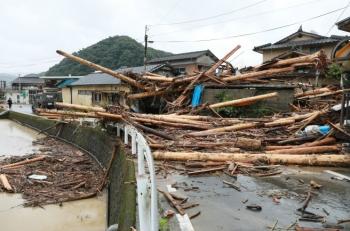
(31, 30)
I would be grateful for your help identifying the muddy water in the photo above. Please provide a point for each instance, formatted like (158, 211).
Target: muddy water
(88, 215)
(16, 139)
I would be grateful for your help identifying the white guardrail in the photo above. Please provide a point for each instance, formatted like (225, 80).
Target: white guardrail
(146, 178)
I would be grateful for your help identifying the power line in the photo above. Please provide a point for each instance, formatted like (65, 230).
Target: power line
(233, 19)
(338, 18)
(252, 33)
(210, 17)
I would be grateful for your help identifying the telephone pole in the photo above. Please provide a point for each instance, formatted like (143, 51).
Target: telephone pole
(145, 55)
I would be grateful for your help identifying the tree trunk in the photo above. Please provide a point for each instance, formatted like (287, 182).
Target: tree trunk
(306, 150)
(309, 160)
(109, 116)
(213, 131)
(80, 107)
(248, 144)
(243, 101)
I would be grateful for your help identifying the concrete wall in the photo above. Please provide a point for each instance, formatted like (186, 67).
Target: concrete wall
(122, 197)
(17, 97)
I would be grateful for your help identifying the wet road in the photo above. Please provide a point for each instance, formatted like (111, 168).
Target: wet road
(88, 214)
(222, 207)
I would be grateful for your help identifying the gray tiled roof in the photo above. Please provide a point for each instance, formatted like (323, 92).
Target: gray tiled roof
(28, 80)
(98, 78)
(188, 55)
(297, 43)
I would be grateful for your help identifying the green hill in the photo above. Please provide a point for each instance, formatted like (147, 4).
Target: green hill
(113, 52)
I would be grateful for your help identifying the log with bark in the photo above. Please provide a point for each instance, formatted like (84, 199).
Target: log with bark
(215, 131)
(325, 141)
(307, 150)
(311, 160)
(5, 182)
(244, 101)
(80, 107)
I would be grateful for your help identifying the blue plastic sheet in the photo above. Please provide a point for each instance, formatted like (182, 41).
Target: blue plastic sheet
(197, 95)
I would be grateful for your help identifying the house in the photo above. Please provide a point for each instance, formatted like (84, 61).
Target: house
(298, 43)
(58, 82)
(102, 89)
(23, 89)
(344, 24)
(188, 63)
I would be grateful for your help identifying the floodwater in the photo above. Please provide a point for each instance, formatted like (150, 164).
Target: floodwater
(88, 214)
(15, 139)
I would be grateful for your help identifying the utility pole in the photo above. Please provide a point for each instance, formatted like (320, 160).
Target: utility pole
(145, 55)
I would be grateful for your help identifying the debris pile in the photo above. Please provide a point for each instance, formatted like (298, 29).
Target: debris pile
(57, 173)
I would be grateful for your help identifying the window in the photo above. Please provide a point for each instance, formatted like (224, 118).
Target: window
(96, 97)
(84, 92)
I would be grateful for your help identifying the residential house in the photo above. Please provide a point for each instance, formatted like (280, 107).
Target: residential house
(23, 89)
(298, 43)
(344, 24)
(102, 89)
(188, 63)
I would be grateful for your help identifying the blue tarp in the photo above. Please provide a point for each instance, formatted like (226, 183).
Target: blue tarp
(197, 95)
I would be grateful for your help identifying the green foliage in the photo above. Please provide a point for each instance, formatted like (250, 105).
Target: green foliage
(163, 224)
(255, 110)
(113, 52)
(334, 71)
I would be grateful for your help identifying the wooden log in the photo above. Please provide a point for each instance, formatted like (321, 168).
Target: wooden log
(80, 107)
(5, 182)
(221, 61)
(23, 162)
(169, 119)
(158, 78)
(109, 116)
(170, 124)
(103, 69)
(244, 101)
(279, 122)
(248, 144)
(153, 131)
(236, 127)
(325, 141)
(322, 95)
(302, 59)
(309, 160)
(73, 113)
(206, 170)
(309, 120)
(258, 74)
(297, 139)
(306, 150)
(313, 92)
(173, 202)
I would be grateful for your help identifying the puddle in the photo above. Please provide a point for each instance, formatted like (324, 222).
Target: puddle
(87, 215)
(16, 139)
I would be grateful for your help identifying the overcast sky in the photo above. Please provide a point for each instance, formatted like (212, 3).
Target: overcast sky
(31, 30)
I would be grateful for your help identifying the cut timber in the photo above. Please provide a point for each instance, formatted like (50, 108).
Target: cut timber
(170, 124)
(221, 61)
(103, 69)
(311, 160)
(153, 131)
(306, 150)
(173, 202)
(248, 144)
(172, 119)
(158, 78)
(80, 107)
(313, 92)
(258, 74)
(279, 122)
(213, 131)
(243, 101)
(322, 95)
(206, 170)
(5, 182)
(309, 120)
(325, 141)
(109, 115)
(23, 162)
(320, 55)
(72, 113)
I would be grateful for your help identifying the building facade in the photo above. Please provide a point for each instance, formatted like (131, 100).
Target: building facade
(188, 63)
(300, 42)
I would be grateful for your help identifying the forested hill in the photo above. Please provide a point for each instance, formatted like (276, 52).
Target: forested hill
(113, 52)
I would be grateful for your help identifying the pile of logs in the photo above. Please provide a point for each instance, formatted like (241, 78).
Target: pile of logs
(177, 90)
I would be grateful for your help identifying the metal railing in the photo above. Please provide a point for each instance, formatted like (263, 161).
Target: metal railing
(146, 177)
